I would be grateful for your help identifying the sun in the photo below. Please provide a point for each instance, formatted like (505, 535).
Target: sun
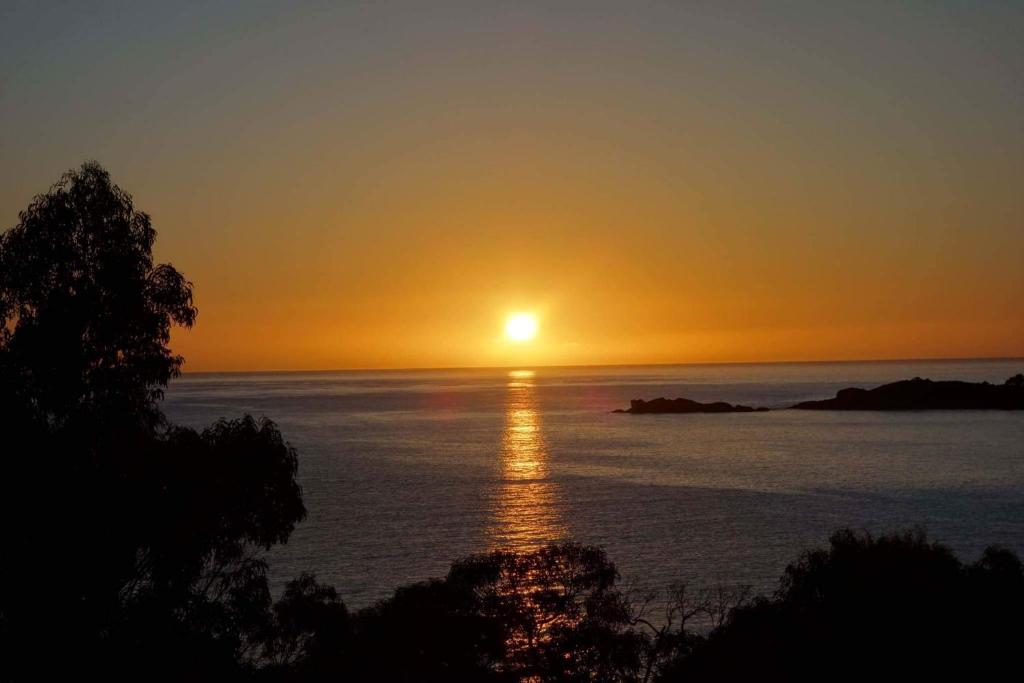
(521, 327)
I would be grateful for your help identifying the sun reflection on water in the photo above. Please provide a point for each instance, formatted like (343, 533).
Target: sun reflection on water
(527, 506)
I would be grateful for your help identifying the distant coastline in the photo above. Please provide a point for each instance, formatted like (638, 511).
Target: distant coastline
(910, 394)
(924, 394)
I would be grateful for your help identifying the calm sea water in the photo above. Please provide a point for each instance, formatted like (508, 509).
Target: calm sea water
(404, 472)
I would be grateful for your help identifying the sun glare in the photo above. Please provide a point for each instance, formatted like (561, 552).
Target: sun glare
(521, 327)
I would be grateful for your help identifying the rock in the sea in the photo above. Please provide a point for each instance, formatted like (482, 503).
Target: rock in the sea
(685, 405)
(924, 394)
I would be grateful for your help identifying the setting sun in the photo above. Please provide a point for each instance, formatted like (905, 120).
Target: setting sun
(521, 327)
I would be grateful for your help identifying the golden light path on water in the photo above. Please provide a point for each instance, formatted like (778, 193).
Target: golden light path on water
(527, 506)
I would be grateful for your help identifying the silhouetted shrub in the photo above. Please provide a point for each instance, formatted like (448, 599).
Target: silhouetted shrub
(892, 606)
(552, 614)
(308, 634)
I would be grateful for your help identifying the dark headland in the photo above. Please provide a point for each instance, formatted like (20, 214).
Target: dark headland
(909, 394)
(924, 394)
(685, 405)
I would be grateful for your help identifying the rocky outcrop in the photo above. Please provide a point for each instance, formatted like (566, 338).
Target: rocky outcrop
(924, 394)
(685, 405)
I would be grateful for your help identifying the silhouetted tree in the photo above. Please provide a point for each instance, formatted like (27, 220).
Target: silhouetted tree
(130, 545)
(1016, 381)
(86, 315)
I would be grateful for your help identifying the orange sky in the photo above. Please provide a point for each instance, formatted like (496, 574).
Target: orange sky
(381, 186)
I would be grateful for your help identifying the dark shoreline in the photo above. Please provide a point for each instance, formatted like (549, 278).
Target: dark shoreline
(910, 394)
(685, 405)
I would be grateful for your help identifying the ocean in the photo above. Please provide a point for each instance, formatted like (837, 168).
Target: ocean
(405, 471)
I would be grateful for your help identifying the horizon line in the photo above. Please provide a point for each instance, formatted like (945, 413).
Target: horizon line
(603, 365)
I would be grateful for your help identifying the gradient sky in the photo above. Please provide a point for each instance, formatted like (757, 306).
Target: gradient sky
(380, 184)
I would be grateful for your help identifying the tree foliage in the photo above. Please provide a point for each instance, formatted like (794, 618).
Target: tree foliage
(553, 614)
(896, 606)
(86, 314)
(130, 544)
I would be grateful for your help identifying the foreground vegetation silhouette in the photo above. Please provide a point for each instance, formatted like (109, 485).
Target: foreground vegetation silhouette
(133, 547)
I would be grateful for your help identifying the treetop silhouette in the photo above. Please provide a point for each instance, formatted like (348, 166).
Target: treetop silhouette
(86, 313)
